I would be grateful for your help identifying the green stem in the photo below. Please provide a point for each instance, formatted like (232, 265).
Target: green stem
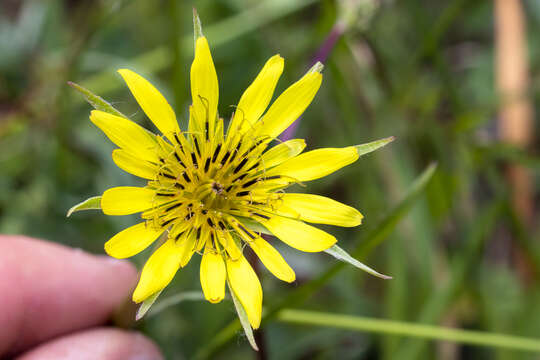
(358, 323)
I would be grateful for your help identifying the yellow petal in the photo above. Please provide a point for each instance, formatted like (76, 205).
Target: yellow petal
(133, 165)
(272, 259)
(187, 248)
(282, 152)
(299, 235)
(131, 241)
(125, 200)
(290, 105)
(246, 286)
(158, 271)
(152, 102)
(204, 87)
(319, 209)
(213, 276)
(258, 95)
(127, 135)
(316, 163)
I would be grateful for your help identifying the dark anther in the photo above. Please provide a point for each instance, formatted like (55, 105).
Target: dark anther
(173, 207)
(221, 225)
(167, 222)
(177, 157)
(178, 185)
(246, 231)
(177, 139)
(194, 159)
(206, 165)
(254, 166)
(242, 193)
(197, 146)
(204, 212)
(229, 188)
(186, 177)
(198, 233)
(178, 236)
(249, 183)
(210, 222)
(261, 215)
(168, 176)
(240, 177)
(206, 129)
(224, 160)
(216, 153)
(165, 194)
(273, 177)
(237, 169)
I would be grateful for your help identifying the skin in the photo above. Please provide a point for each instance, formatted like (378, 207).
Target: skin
(55, 300)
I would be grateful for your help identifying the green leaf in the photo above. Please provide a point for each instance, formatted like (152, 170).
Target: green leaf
(242, 316)
(342, 255)
(146, 305)
(357, 323)
(366, 148)
(97, 102)
(93, 203)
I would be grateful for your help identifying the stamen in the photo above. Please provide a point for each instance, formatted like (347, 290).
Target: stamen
(244, 161)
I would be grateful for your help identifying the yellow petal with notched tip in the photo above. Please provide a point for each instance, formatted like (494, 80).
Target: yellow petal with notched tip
(158, 271)
(213, 275)
(299, 235)
(289, 105)
(127, 135)
(133, 165)
(154, 105)
(319, 209)
(257, 96)
(125, 200)
(246, 286)
(272, 259)
(282, 152)
(316, 163)
(204, 87)
(131, 241)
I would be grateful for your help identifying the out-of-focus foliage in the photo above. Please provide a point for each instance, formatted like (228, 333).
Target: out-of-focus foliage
(418, 70)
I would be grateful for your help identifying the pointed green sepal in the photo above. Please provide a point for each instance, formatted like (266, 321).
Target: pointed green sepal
(93, 203)
(146, 305)
(97, 102)
(253, 225)
(242, 316)
(342, 255)
(318, 67)
(374, 145)
(197, 26)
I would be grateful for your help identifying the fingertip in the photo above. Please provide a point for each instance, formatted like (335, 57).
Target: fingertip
(97, 344)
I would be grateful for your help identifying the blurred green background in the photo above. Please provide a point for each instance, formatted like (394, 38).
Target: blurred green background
(461, 253)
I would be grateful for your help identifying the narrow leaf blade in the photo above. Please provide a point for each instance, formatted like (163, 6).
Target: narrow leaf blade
(93, 203)
(366, 148)
(97, 102)
(342, 255)
(242, 316)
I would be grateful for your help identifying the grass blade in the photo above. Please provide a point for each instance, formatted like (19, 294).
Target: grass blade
(357, 323)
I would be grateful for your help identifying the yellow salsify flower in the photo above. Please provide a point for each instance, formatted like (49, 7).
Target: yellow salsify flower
(210, 189)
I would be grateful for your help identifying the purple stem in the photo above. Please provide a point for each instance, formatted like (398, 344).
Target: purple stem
(322, 54)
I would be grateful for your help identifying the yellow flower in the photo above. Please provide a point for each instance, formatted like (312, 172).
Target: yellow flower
(210, 189)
